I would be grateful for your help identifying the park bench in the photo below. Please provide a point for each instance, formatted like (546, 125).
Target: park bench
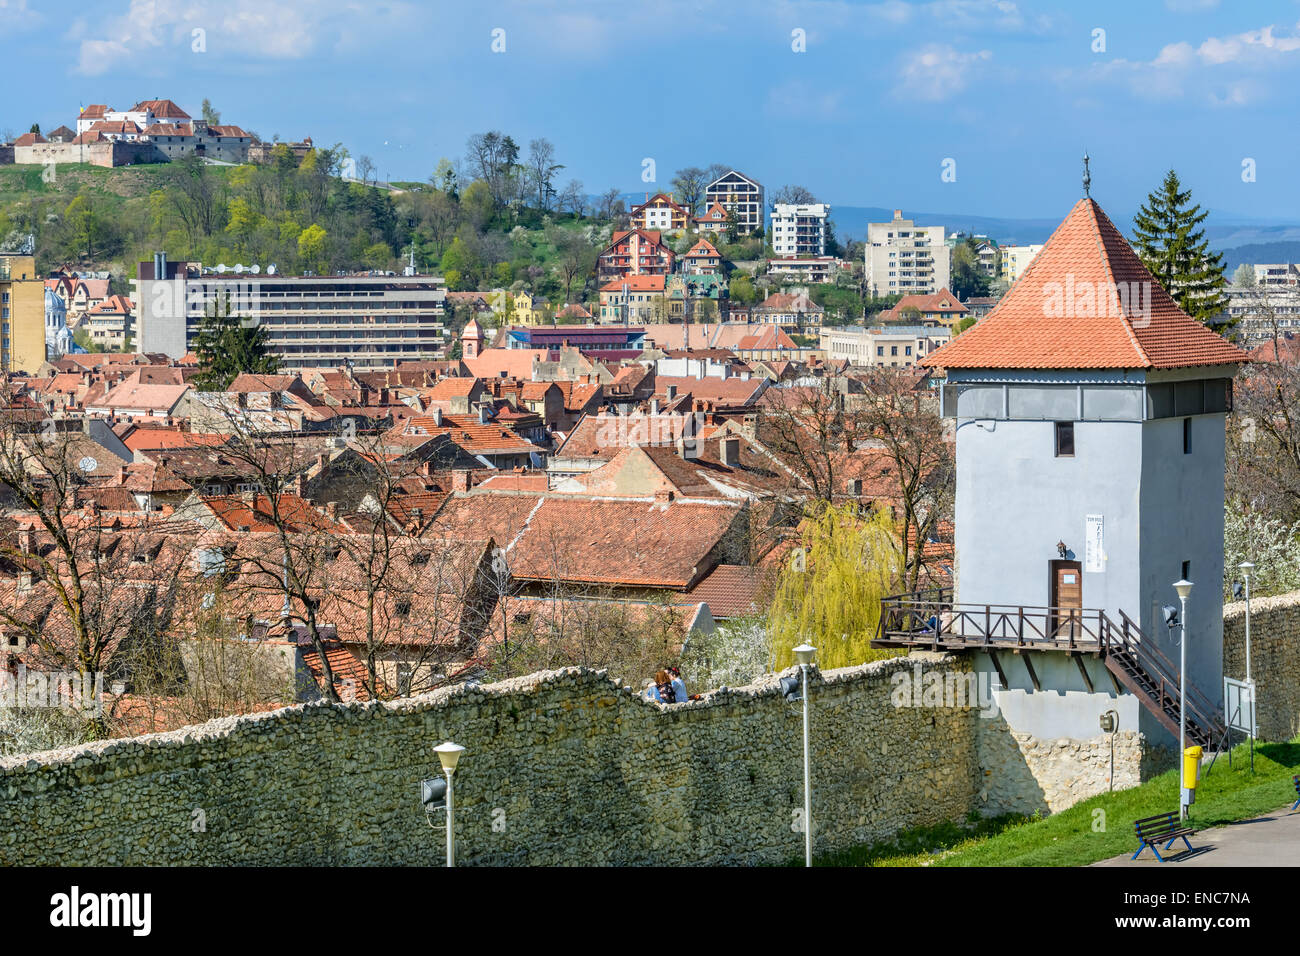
(1162, 828)
(1296, 781)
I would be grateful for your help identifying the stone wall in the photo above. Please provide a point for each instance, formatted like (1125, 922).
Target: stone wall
(1274, 659)
(563, 767)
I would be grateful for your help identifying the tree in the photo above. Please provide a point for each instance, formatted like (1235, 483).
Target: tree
(1172, 245)
(688, 186)
(494, 158)
(829, 593)
(573, 199)
(311, 247)
(1244, 277)
(210, 115)
(542, 168)
(796, 195)
(577, 257)
(967, 278)
(226, 347)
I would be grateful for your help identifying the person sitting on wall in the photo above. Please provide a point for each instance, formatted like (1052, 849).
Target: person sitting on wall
(679, 686)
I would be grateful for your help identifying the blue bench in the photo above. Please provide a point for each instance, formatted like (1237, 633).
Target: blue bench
(1162, 828)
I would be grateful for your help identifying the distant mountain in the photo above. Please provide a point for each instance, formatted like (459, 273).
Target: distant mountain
(1254, 252)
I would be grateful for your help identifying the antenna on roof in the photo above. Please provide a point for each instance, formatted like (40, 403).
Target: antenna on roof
(1087, 177)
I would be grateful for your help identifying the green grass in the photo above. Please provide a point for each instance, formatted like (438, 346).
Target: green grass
(1069, 838)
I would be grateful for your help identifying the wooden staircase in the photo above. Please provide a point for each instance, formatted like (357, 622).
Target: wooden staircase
(1150, 676)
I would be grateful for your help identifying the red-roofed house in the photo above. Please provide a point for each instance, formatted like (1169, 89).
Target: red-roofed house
(702, 259)
(659, 213)
(638, 252)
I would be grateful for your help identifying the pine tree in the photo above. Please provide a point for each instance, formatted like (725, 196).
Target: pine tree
(225, 348)
(1171, 243)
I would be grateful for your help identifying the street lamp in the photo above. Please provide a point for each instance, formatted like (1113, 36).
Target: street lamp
(1246, 567)
(448, 755)
(1184, 588)
(804, 655)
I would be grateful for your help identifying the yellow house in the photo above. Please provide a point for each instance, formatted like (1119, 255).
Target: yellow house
(528, 309)
(22, 315)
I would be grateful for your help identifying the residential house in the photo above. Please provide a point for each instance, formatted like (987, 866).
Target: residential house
(741, 197)
(660, 213)
(635, 252)
(941, 308)
(702, 259)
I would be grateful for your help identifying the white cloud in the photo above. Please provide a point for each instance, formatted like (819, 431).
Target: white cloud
(162, 29)
(1218, 69)
(938, 71)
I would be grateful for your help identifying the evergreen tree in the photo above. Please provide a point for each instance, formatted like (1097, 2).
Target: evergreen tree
(1171, 243)
(225, 347)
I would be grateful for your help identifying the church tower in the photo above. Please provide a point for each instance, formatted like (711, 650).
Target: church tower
(471, 340)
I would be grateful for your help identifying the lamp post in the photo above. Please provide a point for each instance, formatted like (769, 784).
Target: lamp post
(1184, 588)
(1246, 567)
(448, 754)
(804, 654)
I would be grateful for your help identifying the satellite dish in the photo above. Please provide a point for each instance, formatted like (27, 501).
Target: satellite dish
(255, 268)
(239, 268)
(270, 270)
(87, 464)
(222, 268)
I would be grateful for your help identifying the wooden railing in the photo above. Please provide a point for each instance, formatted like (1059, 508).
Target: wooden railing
(930, 618)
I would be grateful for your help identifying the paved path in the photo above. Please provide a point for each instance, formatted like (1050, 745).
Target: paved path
(1270, 840)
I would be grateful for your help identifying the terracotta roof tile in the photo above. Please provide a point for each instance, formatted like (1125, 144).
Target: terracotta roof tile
(1064, 311)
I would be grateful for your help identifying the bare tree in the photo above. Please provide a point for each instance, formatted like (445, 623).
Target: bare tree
(542, 168)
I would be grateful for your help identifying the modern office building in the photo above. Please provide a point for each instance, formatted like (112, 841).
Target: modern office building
(366, 320)
(903, 257)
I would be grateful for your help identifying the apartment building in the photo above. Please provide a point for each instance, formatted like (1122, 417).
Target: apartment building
(892, 346)
(367, 320)
(902, 257)
(1016, 259)
(22, 314)
(1277, 274)
(660, 212)
(799, 229)
(741, 197)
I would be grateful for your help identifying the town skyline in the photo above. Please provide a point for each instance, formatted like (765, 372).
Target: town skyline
(946, 74)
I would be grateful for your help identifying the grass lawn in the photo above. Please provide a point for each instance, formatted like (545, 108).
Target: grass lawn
(1069, 838)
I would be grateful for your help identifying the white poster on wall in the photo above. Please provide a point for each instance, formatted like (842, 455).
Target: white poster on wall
(1094, 554)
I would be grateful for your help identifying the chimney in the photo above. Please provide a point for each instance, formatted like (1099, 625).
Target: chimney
(670, 392)
(437, 417)
(664, 495)
(460, 479)
(24, 581)
(483, 415)
(654, 406)
(729, 451)
(417, 513)
(25, 541)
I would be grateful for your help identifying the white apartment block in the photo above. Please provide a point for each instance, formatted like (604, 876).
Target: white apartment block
(799, 229)
(741, 197)
(905, 258)
(1016, 259)
(1277, 273)
(890, 346)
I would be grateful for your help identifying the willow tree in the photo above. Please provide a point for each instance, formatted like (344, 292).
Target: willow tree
(829, 592)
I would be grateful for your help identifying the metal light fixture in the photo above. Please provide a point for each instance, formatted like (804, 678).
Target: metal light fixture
(1247, 567)
(449, 755)
(1184, 588)
(804, 655)
(1171, 615)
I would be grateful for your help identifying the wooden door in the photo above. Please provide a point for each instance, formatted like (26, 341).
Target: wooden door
(1067, 597)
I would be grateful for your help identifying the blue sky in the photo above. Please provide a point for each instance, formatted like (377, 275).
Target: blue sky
(883, 93)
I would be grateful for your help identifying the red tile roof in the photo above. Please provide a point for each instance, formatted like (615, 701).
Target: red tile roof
(636, 283)
(1063, 312)
(730, 590)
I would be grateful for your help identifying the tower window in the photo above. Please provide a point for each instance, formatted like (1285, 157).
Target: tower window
(1064, 445)
(1187, 436)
